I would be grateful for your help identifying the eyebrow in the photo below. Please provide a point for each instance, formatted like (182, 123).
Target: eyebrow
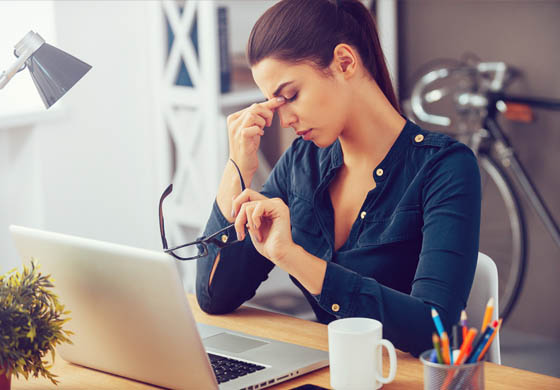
(280, 87)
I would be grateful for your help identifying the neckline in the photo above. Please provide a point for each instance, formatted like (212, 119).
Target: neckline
(394, 153)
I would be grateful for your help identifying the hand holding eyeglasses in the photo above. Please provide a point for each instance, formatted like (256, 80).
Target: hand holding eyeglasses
(245, 129)
(267, 221)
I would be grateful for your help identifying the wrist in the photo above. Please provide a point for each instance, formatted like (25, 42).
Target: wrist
(237, 169)
(291, 251)
(309, 270)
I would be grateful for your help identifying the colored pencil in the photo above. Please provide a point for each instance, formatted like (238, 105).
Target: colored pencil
(473, 357)
(481, 356)
(437, 347)
(467, 342)
(487, 314)
(445, 351)
(464, 323)
(437, 322)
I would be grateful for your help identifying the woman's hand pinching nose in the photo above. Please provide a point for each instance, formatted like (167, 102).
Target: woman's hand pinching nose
(273, 104)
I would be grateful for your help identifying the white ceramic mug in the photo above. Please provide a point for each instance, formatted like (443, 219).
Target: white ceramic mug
(355, 356)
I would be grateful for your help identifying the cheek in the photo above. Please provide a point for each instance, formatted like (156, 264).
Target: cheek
(328, 108)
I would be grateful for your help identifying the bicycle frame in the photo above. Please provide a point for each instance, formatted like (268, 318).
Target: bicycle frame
(509, 159)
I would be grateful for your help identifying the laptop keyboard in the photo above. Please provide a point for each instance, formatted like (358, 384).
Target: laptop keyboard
(227, 369)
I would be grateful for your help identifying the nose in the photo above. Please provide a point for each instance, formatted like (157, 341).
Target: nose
(286, 116)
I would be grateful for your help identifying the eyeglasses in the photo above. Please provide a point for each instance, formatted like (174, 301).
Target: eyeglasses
(221, 238)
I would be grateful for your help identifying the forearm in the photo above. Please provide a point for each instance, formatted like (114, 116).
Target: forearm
(235, 277)
(309, 270)
(230, 187)
(406, 318)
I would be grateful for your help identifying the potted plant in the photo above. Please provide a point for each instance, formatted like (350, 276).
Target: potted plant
(31, 320)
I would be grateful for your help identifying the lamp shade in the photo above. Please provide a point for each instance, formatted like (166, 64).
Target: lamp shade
(54, 72)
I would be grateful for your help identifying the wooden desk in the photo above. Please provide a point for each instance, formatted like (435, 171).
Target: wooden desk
(293, 330)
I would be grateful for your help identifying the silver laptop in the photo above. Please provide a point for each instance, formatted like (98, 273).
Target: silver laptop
(131, 317)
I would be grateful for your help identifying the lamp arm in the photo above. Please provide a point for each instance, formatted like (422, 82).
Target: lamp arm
(14, 68)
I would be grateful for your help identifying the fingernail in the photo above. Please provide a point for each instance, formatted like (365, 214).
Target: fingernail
(232, 212)
(280, 99)
(238, 236)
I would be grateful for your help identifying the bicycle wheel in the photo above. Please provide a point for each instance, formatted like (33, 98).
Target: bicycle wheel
(502, 232)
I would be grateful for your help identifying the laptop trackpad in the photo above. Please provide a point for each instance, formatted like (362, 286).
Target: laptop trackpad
(232, 343)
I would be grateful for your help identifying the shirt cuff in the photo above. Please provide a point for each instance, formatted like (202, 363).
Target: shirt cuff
(339, 294)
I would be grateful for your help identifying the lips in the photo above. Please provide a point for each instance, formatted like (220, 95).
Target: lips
(303, 132)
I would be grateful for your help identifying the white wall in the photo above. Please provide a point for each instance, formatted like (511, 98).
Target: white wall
(92, 171)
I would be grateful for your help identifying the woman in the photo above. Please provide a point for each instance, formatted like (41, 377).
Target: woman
(370, 215)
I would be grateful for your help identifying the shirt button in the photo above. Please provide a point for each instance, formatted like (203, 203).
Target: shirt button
(419, 138)
(335, 307)
(379, 172)
(363, 214)
(224, 238)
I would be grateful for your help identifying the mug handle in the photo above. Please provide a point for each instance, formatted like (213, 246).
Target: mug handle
(392, 362)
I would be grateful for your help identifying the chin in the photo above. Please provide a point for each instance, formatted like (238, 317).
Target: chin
(323, 142)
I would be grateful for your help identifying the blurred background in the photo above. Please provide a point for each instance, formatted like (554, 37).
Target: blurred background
(152, 111)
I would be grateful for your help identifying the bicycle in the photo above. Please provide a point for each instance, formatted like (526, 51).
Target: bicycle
(468, 98)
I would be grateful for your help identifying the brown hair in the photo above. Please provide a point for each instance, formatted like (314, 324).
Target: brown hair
(308, 31)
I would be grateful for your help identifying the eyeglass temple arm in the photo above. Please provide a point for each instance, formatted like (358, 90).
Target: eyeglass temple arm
(161, 223)
(216, 241)
(240, 175)
(203, 241)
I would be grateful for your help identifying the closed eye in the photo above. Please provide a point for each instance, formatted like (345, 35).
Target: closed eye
(291, 99)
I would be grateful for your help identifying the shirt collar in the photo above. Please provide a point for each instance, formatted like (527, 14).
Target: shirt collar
(335, 157)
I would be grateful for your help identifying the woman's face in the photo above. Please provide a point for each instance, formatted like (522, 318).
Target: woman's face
(315, 103)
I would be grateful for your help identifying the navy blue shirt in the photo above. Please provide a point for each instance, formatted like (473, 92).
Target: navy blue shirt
(413, 246)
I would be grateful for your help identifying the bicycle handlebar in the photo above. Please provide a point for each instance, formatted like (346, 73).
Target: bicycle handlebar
(467, 99)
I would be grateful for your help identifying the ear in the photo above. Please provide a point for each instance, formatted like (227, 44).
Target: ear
(345, 60)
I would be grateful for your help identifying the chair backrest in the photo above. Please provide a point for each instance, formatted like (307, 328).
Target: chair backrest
(485, 285)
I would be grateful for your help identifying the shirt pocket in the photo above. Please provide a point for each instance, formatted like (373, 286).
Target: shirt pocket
(302, 218)
(404, 224)
(305, 228)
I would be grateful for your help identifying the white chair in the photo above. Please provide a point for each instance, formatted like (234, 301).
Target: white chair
(485, 285)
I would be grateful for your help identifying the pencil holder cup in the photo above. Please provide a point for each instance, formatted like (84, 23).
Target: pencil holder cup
(450, 377)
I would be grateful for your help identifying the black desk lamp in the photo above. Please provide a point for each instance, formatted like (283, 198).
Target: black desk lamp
(53, 71)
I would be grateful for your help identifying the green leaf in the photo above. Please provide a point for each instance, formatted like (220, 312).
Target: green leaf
(31, 322)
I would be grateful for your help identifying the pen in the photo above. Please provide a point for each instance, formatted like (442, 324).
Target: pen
(455, 342)
(437, 347)
(467, 342)
(481, 356)
(464, 323)
(473, 357)
(487, 314)
(445, 348)
(437, 322)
